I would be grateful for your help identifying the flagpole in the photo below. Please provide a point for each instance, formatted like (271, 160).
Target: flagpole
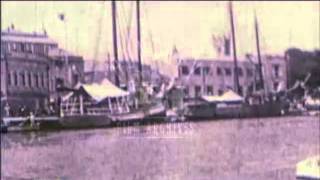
(63, 19)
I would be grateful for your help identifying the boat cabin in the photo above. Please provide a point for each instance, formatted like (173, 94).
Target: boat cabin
(96, 99)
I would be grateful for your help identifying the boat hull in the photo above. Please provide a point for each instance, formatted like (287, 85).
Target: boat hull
(85, 121)
(212, 111)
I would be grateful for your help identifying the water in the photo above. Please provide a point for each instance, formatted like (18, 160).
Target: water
(248, 149)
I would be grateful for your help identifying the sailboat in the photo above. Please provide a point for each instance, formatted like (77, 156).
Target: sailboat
(104, 103)
(231, 104)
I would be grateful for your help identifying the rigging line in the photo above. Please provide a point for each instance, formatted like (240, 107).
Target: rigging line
(97, 45)
(150, 33)
(149, 29)
(123, 68)
(123, 31)
(128, 32)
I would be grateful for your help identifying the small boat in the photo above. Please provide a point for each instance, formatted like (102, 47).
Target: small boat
(23, 128)
(308, 169)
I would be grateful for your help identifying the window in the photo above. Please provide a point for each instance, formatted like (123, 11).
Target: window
(240, 72)
(15, 78)
(197, 90)
(43, 82)
(186, 91)
(28, 48)
(75, 79)
(29, 80)
(184, 70)
(13, 47)
(275, 85)
(22, 46)
(3, 47)
(46, 49)
(227, 46)
(276, 70)
(9, 81)
(249, 72)
(197, 71)
(59, 83)
(31, 48)
(40, 80)
(22, 78)
(219, 72)
(228, 71)
(209, 90)
(36, 80)
(206, 70)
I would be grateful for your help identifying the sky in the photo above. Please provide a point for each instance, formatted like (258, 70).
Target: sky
(188, 25)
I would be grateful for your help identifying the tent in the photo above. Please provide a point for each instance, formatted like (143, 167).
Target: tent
(99, 91)
(229, 96)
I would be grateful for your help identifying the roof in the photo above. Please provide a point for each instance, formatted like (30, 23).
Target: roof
(228, 96)
(27, 39)
(100, 91)
(59, 52)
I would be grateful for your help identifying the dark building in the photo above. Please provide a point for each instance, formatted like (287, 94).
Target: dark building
(300, 63)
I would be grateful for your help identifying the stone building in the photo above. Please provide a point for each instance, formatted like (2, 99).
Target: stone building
(28, 69)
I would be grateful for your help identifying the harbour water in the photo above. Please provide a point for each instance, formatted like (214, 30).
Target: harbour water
(261, 149)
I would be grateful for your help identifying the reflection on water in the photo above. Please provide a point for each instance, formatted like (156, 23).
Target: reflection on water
(248, 149)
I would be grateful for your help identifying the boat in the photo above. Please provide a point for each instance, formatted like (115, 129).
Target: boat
(308, 169)
(23, 128)
(27, 124)
(4, 128)
(231, 104)
(99, 104)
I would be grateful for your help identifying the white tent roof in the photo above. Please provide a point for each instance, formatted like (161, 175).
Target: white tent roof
(228, 96)
(101, 91)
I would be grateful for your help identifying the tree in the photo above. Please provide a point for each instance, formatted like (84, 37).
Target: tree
(301, 63)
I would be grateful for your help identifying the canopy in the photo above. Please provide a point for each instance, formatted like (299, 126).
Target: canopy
(308, 168)
(100, 91)
(228, 96)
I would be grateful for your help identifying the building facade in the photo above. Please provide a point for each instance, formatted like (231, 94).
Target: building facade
(127, 71)
(215, 76)
(28, 69)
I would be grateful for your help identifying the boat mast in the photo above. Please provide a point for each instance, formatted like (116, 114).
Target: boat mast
(258, 51)
(236, 77)
(115, 43)
(139, 41)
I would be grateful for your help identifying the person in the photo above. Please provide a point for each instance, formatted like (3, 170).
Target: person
(31, 119)
(7, 109)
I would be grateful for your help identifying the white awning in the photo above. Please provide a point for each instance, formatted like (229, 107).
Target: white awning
(228, 96)
(100, 91)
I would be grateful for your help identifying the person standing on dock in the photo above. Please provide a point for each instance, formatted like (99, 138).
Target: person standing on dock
(31, 119)
(7, 109)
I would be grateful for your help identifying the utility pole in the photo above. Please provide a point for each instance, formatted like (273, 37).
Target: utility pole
(115, 43)
(236, 77)
(139, 41)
